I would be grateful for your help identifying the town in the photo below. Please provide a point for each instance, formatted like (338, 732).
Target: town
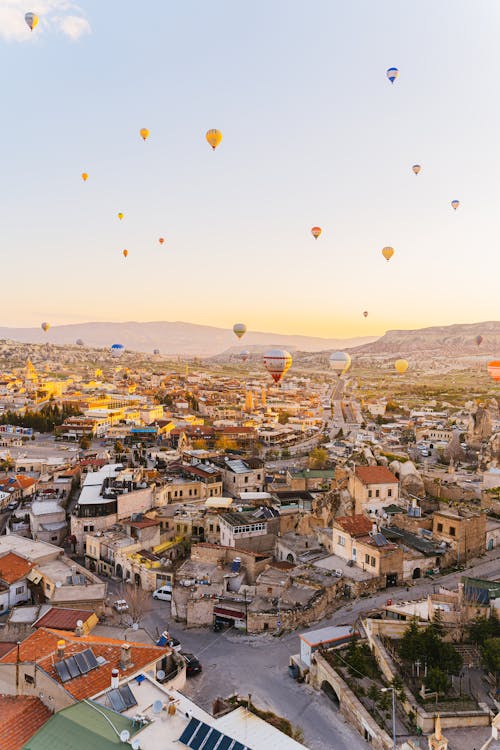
(186, 544)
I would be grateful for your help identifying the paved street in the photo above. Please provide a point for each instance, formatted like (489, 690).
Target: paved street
(236, 662)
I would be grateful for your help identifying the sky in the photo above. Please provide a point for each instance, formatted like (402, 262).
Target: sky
(313, 134)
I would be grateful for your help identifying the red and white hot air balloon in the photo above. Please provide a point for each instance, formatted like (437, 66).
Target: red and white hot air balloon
(277, 362)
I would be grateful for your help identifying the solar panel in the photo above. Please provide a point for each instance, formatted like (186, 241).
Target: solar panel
(72, 666)
(128, 696)
(91, 660)
(82, 662)
(62, 670)
(116, 700)
(200, 736)
(380, 540)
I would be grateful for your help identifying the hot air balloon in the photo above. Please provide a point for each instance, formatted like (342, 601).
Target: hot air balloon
(479, 340)
(416, 168)
(32, 20)
(494, 370)
(392, 74)
(125, 253)
(117, 350)
(365, 314)
(340, 362)
(244, 355)
(156, 352)
(45, 327)
(388, 252)
(79, 342)
(455, 204)
(85, 176)
(144, 133)
(277, 362)
(120, 215)
(239, 329)
(161, 240)
(401, 366)
(214, 137)
(316, 231)
(98, 373)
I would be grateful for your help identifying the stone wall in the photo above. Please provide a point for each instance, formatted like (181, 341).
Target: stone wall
(448, 491)
(214, 553)
(350, 707)
(316, 609)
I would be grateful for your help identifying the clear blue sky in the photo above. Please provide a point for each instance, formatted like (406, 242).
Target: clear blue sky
(313, 134)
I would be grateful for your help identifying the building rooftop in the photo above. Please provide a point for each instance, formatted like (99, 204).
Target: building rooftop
(326, 635)
(62, 619)
(375, 475)
(13, 567)
(22, 716)
(28, 548)
(357, 525)
(239, 519)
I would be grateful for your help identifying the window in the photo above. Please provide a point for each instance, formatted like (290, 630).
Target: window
(211, 527)
(258, 477)
(452, 531)
(20, 590)
(341, 540)
(246, 480)
(389, 493)
(440, 527)
(269, 589)
(190, 493)
(29, 679)
(367, 559)
(370, 493)
(377, 493)
(372, 562)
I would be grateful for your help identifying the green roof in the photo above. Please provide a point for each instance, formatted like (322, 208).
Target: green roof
(80, 727)
(315, 473)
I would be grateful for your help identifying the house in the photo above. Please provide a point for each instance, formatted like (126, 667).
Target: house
(372, 487)
(244, 530)
(240, 475)
(328, 637)
(62, 667)
(464, 532)
(358, 540)
(48, 521)
(18, 487)
(59, 618)
(14, 587)
(345, 531)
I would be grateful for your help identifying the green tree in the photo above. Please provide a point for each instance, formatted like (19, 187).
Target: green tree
(85, 443)
(119, 448)
(436, 681)
(283, 417)
(318, 458)
(491, 656)
(373, 694)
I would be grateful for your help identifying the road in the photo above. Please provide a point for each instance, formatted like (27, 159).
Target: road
(257, 664)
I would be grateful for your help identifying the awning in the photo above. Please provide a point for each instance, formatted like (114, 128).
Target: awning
(232, 613)
(34, 576)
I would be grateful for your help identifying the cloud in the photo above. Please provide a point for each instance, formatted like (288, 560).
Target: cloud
(62, 16)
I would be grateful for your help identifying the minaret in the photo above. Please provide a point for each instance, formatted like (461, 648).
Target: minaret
(437, 741)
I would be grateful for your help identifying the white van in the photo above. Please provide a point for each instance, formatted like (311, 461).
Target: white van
(164, 593)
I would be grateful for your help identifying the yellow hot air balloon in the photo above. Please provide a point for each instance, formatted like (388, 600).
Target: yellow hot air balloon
(144, 133)
(85, 176)
(388, 252)
(239, 329)
(120, 215)
(401, 366)
(45, 327)
(214, 137)
(32, 20)
(125, 253)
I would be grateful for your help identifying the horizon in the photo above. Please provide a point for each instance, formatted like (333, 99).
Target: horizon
(313, 134)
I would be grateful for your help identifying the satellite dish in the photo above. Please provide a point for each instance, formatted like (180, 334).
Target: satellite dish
(158, 705)
(124, 735)
(58, 584)
(136, 745)
(79, 623)
(135, 626)
(160, 675)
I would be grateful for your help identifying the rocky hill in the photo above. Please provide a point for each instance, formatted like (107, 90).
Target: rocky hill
(457, 340)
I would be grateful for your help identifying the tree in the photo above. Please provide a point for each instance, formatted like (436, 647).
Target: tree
(200, 444)
(491, 656)
(283, 417)
(373, 694)
(119, 448)
(138, 600)
(224, 443)
(482, 628)
(318, 458)
(85, 443)
(436, 681)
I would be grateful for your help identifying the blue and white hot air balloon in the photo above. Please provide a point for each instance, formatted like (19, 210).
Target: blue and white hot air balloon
(392, 74)
(455, 204)
(117, 350)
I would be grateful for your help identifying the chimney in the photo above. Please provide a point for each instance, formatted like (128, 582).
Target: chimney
(125, 656)
(61, 646)
(114, 679)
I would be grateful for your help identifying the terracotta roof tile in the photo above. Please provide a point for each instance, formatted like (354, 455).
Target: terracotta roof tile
(42, 647)
(358, 525)
(375, 475)
(22, 716)
(13, 567)
(62, 619)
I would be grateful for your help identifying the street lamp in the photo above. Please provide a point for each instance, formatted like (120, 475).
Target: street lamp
(386, 690)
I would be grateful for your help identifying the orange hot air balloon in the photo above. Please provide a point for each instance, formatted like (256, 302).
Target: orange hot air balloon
(316, 231)
(494, 370)
(144, 133)
(214, 137)
(85, 176)
(388, 252)
(125, 253)
(161, 240)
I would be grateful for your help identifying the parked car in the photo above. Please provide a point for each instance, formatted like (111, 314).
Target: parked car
(164, 593)
(174, 644)
(120, 606)
(193, 665)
